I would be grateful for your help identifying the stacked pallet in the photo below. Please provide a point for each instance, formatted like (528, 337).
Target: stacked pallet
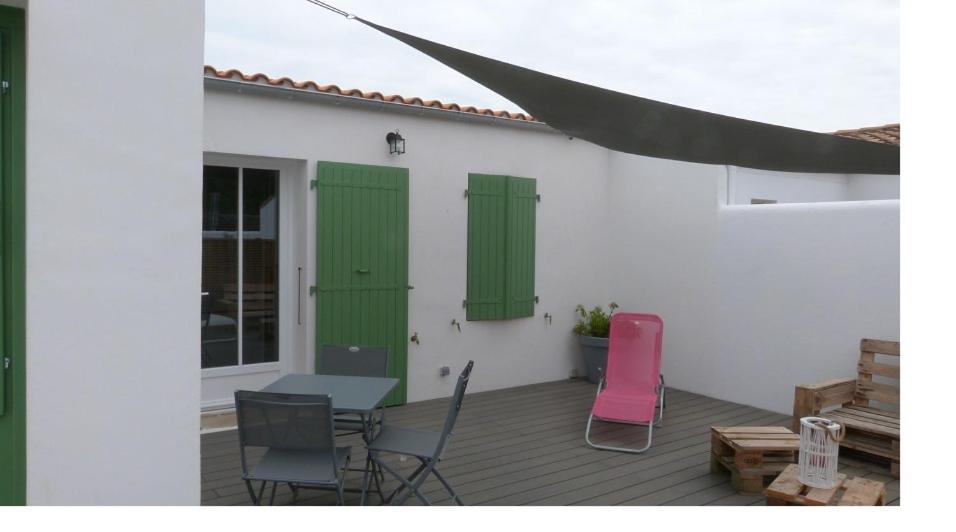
(752, 454)
(787, 490)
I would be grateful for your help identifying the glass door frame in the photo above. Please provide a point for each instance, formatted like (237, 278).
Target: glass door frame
(287, 267)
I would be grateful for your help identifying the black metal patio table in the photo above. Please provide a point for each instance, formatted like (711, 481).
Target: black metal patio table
(350, 395)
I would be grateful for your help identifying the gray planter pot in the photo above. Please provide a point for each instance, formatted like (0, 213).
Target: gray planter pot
(595, 356)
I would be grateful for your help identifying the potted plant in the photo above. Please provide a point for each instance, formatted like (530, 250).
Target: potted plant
(592, 330)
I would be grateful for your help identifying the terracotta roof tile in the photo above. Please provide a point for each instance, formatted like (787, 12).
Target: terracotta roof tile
(237, 75)
(888, 134)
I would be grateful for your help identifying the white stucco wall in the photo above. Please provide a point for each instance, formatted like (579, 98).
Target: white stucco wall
(785, 187)
(873, 187)
(572, 180)
(755, 299)
(799, 286)
(114, 123)
(746, 184)
(738, 287)
(664, 234)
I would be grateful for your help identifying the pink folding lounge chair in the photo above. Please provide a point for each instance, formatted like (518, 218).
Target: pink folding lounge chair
(632, 388)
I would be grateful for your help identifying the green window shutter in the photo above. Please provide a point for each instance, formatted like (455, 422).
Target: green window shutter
(519, 279)
(501, 229)
(487, 213)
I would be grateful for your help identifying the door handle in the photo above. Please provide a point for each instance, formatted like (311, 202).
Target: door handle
(362, 270)
(298, 300)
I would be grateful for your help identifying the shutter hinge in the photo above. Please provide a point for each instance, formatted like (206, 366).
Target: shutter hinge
(313, 184)
(466, 192)
(538, 197)
(6, 362)
(536, 299)
(464, 303)
(313, 290)
(4, 86)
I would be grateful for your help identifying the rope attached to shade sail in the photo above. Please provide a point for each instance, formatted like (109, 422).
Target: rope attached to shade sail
(332, 8)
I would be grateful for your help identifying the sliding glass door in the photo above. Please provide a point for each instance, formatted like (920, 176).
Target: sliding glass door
(240, 274)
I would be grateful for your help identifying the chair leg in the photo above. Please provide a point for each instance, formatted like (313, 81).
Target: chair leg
(408, 494)
(378, 484)
(412, 488)
(404, 482)
(587, 438)
(448, 488)
(272, 498)
(376, 473)
(425, 469)
(295, 492)
(660, 414)
(381, 475)
(340, 486)
(587, 431)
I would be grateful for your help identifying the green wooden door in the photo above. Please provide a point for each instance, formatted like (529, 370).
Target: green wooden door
(3, 365)
(12, 366)
(362, 261)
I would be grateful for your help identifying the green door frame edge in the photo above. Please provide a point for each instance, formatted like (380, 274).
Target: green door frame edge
(13, 423)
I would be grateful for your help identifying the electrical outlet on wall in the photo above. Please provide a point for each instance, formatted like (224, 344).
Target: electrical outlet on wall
(444, 371)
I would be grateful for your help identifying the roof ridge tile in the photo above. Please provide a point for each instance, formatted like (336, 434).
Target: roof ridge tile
(309, 85)
(885, 134)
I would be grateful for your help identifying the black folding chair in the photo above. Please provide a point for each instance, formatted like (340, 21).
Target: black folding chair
(357, 361)
(354, 361)
(299, 438)
(427, 446)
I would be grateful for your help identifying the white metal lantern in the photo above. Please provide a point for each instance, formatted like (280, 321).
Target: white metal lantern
(819, 447)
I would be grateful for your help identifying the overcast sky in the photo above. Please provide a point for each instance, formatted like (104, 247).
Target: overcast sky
(820, 65)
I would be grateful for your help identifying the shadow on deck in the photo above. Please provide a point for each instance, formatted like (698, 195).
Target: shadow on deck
(525, 446)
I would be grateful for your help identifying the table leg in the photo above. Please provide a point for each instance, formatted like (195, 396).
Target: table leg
(366, 436)
(371, 465)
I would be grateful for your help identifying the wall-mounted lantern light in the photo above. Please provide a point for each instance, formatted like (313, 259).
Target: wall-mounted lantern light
(396, 143)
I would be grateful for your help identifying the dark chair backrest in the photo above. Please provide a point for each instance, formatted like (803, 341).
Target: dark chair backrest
(284, 422)
(454, 408)
(353, 361)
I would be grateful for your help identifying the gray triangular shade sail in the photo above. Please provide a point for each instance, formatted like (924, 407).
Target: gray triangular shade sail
(632, 124)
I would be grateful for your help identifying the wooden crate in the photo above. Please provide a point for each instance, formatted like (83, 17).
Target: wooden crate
(752, 453)
(787, 490)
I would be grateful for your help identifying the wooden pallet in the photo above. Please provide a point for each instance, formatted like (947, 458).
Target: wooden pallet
(872, 431)
(787, 490)
(752, 453)
(869, 409)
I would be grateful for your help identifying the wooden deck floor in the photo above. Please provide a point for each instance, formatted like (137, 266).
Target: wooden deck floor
(525, 446)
